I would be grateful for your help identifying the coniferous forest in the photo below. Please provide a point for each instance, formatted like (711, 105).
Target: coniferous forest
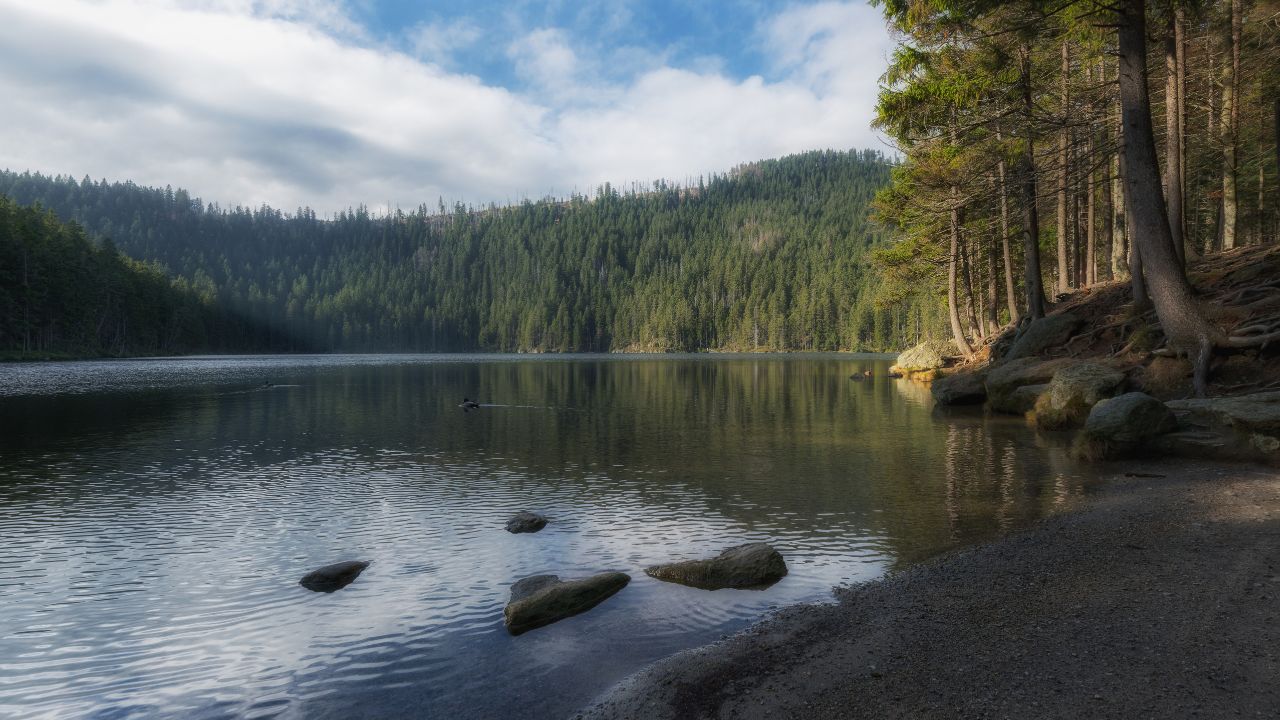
(773, 255)
(63, 295)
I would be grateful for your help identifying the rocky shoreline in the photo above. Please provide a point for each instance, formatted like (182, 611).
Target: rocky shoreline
(1158, 598)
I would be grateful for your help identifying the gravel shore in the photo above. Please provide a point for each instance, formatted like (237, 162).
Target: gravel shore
(1159, 598)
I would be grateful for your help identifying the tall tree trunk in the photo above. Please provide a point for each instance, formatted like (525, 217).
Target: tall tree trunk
(1009, 291)
(971, 298)
(1108, 225)
(1184, 324)
(953, 304)
(1230, 132)
(1090, 234)
(993, 290)
(1119, 244)
(1180, 30)
(1030, 213)
(1173, 131)
(1063, 151)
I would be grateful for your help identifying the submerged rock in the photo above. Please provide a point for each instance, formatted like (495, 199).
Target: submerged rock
(526, 522)
(333, 577)
(1073, 391)
(543, 599)
(1040, 335)
(751, 566)
(964, 388)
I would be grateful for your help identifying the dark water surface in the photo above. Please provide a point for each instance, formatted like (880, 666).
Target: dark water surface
(155, 517)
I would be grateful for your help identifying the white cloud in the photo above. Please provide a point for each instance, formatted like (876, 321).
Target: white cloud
(287, 102)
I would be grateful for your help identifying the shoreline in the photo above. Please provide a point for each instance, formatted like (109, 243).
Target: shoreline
(1156, 597)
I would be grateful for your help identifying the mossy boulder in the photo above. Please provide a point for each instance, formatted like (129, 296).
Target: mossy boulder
(751, 566)
(1073, 391)
(1004, 380)
(543, 599)
(928, 355)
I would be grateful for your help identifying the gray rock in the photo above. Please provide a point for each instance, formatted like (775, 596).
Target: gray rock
(526, 522)
(750, 566)
(333, 577)
(1256, 413)
(1005, 379)
(1120, 424)
(963, 388)
(1073, 391)
(1024, 399)
(1250, 423)
(1040, 335)
(928, 355)
(543, 599)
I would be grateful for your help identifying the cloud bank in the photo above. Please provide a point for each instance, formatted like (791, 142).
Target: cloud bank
(292, 103)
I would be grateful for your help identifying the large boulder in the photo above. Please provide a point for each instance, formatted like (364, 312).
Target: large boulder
(543, 599)
(1004, 380)
(1073, 391)
(928, 355)
(1118, 425)
(526, 522)
(962, 388)
(1043, 334)
(333, 577)
(1024, 399)
(751, 566)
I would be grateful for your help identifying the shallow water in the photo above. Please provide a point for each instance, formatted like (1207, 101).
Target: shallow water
(155, 516)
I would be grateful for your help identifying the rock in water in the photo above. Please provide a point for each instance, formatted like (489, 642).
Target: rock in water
(751, 566)
(963, 388)
(526, 522)
(543, 599)
(333, 577)
(1005, 379)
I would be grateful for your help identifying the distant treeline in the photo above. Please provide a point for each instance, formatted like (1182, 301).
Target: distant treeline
(63, 296)
(771, 256)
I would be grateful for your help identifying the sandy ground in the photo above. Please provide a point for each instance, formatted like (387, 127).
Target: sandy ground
(1160, 598)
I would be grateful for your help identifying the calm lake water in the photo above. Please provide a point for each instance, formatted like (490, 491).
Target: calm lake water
(155, 516)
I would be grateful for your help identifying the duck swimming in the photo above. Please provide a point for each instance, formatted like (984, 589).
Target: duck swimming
(468, 405)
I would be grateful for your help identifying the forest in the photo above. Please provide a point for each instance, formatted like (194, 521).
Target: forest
(773, 255)
(1051, 146)
(62, 295)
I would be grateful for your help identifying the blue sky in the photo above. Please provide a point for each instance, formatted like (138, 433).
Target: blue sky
(391, 103)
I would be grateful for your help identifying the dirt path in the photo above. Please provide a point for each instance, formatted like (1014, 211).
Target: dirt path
(1159, 599)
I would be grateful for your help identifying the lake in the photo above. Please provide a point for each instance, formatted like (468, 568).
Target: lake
(156, 515)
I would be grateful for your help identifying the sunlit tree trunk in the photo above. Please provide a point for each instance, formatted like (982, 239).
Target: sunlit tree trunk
(1009, 289)
(953, 301)
(1230, 131)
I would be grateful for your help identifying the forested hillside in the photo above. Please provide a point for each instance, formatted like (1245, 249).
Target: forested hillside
(772, 256)
(61, 295)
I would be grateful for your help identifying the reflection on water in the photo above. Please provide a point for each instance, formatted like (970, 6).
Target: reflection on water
(156, 517)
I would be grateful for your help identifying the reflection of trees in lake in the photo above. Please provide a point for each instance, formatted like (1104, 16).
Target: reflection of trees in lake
(788, 444)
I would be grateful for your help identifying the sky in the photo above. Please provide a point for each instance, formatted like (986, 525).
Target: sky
(331, 104)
